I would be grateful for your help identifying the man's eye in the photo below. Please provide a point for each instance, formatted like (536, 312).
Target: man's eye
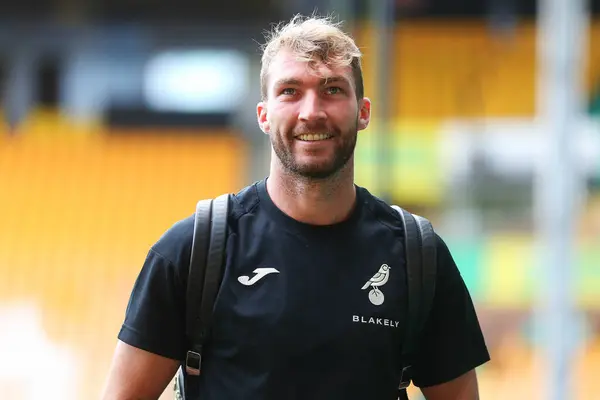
(334, 90)
(288, 91)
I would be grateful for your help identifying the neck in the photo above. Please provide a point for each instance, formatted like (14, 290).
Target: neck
(313, 201)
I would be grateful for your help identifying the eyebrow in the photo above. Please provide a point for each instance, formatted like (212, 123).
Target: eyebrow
(323, 81)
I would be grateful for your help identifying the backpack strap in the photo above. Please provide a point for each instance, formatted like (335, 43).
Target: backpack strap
(196, 270)
(214, 265)
(420, 249)
(204, 278)
(206, 264)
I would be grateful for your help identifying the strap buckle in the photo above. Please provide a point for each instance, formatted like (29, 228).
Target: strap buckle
(405, 377)
(192, 363)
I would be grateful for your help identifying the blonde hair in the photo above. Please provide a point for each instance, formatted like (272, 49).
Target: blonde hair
(313, 40)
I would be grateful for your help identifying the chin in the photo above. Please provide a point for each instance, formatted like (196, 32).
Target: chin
(316, 172)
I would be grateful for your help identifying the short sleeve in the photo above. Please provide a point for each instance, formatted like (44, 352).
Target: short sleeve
(452, 342)
(155, 314)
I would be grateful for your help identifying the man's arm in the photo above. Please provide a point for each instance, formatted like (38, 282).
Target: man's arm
(462, 388)
(136, 374)
(152, 339)
(451, 344)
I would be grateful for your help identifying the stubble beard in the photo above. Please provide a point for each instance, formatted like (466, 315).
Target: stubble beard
(315, 171)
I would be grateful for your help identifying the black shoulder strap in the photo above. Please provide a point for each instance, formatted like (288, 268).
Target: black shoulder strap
(421, 268)
(429, 266)
(205, 272)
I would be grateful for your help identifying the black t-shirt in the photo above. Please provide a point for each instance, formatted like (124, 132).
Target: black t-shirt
(296, 316)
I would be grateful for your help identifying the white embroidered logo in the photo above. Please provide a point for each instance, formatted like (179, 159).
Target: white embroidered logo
(260, 273)
(379, 279)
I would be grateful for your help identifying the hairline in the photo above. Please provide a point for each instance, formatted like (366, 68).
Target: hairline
(352, 79)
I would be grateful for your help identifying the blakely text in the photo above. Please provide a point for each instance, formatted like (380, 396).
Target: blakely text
(375, 321)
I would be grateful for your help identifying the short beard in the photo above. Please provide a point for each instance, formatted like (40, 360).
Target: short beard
(319, 171)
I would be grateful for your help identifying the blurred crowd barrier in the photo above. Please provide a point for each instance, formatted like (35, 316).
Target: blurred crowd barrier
(463, 69)
(80, 205)
(79, 212)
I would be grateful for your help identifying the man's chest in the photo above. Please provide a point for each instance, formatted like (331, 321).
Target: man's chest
(295, 298)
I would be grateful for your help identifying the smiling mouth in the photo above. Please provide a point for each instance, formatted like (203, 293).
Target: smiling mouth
(314, 137)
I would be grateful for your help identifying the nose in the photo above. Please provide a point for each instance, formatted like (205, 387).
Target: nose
(311, 108)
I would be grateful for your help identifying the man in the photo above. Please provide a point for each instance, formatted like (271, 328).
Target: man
(307, 324)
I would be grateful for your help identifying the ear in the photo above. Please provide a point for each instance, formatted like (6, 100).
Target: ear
(364, 113)
(261, 114)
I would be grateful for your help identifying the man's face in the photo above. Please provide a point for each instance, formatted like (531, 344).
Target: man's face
(311, 115)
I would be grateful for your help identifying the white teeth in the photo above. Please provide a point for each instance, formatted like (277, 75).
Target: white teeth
(310, 137)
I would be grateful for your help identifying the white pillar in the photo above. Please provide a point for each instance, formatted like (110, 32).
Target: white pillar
(562, 30)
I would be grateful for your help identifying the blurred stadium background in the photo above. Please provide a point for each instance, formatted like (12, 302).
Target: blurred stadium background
(117, 116)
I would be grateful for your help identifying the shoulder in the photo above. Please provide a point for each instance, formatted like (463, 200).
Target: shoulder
(379, 210)
(175, 244)
(243, 202)
(385, 214)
